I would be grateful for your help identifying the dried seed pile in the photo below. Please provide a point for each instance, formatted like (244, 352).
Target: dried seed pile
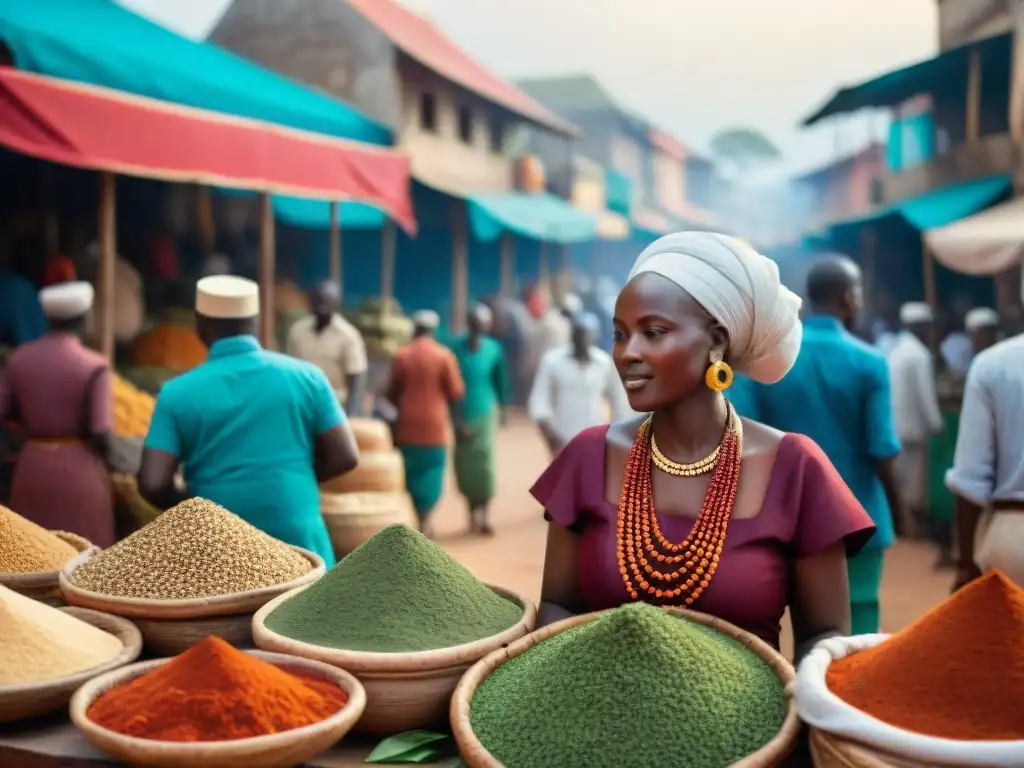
(397, 592)
(39, 643)
(196, 549)
(27, 548)
(640, 687)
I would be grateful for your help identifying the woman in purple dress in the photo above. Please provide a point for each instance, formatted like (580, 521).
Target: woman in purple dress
(60, 393)
(742, 546)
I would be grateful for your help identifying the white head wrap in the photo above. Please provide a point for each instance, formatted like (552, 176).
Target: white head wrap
(227, 297)
(66, 301)
(980, 317)
(483, 313)
(571, 303)
(589, 321)
(741, 289)
(916, 312)
(427, 318)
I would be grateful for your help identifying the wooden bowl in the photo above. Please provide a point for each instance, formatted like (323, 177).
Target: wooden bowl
(475, 754)
(43, 585)
(194, 608)
(18, 702)
(404, 691)
(278, 750)
(831, 751)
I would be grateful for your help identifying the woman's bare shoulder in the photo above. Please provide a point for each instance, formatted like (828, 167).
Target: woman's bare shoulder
(622, 434)
(760, 439)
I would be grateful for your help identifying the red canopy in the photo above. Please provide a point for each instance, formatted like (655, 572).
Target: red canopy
(102, 129)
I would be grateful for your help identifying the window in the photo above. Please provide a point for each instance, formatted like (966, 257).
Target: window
(465, 124)
(428, 112)
(496, 136)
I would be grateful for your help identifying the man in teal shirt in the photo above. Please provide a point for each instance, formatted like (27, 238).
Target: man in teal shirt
(255, 431)
(838, 394)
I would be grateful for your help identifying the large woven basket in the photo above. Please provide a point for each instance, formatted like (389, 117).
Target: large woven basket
(475, 755)
(44, 584)
(831, 751)
(354, 518)
(18, 702)
(172, 626)
(404, 691)
(278, 750)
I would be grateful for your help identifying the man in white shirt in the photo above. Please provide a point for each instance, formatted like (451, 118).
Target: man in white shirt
(333, 344)
(574, 387)
(916, 406)
(988, 467)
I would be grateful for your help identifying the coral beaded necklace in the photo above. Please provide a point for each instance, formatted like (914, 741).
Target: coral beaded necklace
(652, 566)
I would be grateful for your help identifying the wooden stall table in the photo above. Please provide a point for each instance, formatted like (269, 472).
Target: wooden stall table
(55, 743)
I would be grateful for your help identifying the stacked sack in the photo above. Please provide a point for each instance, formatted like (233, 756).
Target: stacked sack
(383, 325)
(371, 497)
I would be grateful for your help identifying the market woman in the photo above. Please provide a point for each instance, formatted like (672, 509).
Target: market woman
(482, 364)
(656, 508)
(60, 393)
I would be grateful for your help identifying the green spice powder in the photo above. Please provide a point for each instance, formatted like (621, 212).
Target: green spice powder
(398, 592)
(639, 687)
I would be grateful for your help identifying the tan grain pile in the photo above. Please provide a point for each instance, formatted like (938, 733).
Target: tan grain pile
(39, 643)
(196, 549)
(27, 548)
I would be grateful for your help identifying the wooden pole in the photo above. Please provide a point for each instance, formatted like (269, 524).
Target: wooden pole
(868, 243)
(204, 218)
(387, 260)
(268, 264)
(108, 260)
(508, 264)
(334, 240)
(460, 268)
(972, 126)
(930, 294)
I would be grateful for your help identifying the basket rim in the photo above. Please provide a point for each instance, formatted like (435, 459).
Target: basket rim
(214, 605)
(349, 714)
(122, 629)
(37, 579)
(400, 661)
(768, 755)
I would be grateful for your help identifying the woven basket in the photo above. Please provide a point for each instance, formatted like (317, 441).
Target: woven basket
(475, 755)
(372, 435)
(274, 751)
(19, 702)
(200, 607)
(44, 585)
(404, 691)
(353, 518)
(376, 471)
(831, 751)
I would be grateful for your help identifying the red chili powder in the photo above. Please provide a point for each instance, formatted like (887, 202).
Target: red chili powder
(213, 692)
(956, 673)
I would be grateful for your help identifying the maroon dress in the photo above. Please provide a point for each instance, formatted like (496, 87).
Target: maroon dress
(807, 508)
(60, 391)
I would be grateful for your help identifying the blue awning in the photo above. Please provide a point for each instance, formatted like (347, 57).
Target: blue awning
(316, 214)
(541, 217)
(945, 71)
(944, 206)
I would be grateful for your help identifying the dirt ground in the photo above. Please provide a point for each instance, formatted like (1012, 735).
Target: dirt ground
(515, 556)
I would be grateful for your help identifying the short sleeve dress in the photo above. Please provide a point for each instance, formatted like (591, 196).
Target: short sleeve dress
(807, 508)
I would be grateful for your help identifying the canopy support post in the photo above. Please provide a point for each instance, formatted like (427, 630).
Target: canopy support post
(972, 123)
(930, 294)
(460, 268)
(868, 242)
(387, 260)
(107, 236)
(267, 275)
(334, 244)
(508, 266)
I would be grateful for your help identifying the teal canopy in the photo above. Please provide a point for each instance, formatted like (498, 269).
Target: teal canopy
(101, 43)
(949, 204)
(942, 74)
(541, 217)
(316, 214)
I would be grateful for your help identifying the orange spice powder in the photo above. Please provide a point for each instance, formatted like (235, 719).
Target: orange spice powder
(956, 673)
(213, 692)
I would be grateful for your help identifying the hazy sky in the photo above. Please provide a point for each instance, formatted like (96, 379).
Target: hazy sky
(690, 66)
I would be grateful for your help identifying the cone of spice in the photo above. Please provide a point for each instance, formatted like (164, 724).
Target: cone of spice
(39, 643)
(397, 592)
(27, 548)
(196, 549)
(590, 696)
(955, 673)
(214, 692)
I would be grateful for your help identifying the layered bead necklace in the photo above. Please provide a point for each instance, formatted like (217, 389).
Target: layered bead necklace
(653, 568)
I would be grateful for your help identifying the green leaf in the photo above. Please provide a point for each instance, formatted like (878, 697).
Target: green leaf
(408, 747)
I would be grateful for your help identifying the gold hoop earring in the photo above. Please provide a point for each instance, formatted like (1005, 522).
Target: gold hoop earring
(719, 374)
